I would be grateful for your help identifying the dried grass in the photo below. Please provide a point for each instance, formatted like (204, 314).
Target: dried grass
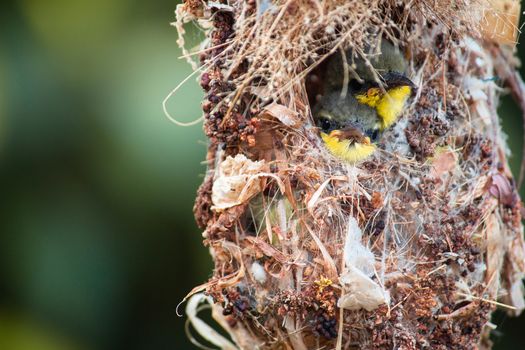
(436, 209)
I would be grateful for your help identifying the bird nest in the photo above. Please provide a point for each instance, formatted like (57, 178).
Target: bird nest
(413, 247)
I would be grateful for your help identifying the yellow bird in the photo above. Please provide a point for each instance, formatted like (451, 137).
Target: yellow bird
(351, 125)
(349, 129)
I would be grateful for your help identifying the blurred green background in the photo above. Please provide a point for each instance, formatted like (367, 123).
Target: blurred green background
(97, 238)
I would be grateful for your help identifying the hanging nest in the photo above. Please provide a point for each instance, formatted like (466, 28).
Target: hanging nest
(412, 248)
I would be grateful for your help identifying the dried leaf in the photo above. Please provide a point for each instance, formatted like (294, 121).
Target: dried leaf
(267, 249)
(202, 328)
(502, 189)
(495, 252)
(377, 200)
(514, 272)
(284, 114)
(501, 21)
(444, 162)
(239, 180)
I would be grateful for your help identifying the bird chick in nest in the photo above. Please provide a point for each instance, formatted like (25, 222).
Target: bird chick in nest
(351, 124)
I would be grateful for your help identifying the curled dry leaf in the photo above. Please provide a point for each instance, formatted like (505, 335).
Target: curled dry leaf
(495, 240)
(513, 273)
(205, 330)
(502, 189)
(284, 114)
(267, 249)
(238, 180)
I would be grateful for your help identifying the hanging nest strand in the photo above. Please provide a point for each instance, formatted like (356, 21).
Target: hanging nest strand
(413, 248)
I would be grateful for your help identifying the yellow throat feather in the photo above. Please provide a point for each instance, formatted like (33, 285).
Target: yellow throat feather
(389, 105)
(346, 150)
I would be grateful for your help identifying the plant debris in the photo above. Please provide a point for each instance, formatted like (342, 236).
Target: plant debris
(412, 248)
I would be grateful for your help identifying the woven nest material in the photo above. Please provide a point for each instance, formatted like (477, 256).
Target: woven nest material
(412, 248)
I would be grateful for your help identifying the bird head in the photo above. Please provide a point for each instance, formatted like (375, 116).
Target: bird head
(376, 96)
(388, 97)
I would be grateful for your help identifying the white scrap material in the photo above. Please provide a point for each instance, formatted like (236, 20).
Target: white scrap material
(238, 180)
(475, 88)
(398, 142)
(360, 291)
(221, 7)
(202, 328)
(258, 272)
(282, 216)
(473, 46)
(355, 253)
(477, 93)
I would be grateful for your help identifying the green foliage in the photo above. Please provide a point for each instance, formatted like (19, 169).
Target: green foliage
(98, 243)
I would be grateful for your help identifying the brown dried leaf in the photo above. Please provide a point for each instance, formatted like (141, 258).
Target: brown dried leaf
(502, 190)
(501, 21)
(284, 114)
(495, 252)
(267, 249)
(239, 179)
(514, 271)
(377, 200)
(444, 162)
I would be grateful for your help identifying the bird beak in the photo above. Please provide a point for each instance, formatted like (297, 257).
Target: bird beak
(336, 133)
(351, 133)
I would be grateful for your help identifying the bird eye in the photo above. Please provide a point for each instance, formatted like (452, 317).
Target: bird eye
(324, 123)
(374, 135)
